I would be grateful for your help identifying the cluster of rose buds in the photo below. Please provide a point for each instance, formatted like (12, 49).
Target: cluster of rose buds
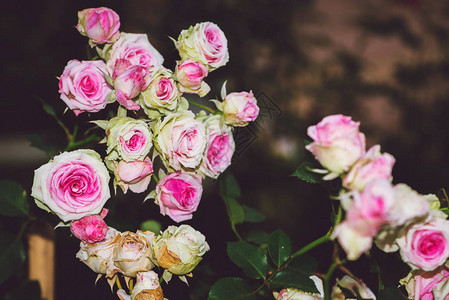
(129, 72)
(395, 217)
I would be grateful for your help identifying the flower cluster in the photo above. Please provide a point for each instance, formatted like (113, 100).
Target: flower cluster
(395, 217)
(129, 72)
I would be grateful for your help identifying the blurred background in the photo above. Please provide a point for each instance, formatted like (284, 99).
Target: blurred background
(383, 62)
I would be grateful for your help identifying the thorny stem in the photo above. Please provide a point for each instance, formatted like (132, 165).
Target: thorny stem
(201, 106)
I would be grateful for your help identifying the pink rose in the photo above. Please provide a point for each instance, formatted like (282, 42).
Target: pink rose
(83, 86)
(408, 206)
(129, 81)
(337, 143)
(181, 140)
(429, 285)
(425, 245)
(240, 108)
(219, 149)
(372, 166)
(136, 49)
(190, 75)
(370, 209)
(100, 24)
(72, 185)
(206, 43)
(135, 175)
(353, 240)
(90, 229)
(178, 195)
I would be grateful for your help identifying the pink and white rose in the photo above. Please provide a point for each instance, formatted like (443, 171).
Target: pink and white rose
(90, 229)
(83, 86)
(190, 75)
(240, 108)
(72, 185)
(358, 289)
(136, 48)
(220, 147)
(295, 294)
(129, 81)
(181, 140)
(162, 95)
(205, 42)
(432, 285)
(425, 245)
(178, 195)
(353, 241)
(128, 139)
(135, 175)
(147, 287)
(408, 206)
(337, 143)
(101, 25)
(373, 165)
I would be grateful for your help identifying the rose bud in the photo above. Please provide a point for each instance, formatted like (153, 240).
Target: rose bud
(205, 42)
(178, 195)
(101, 25)
(358, 289)
(220, 147)
(132, 253)
(147, 287)
(83, 86)
(135, 175)
(98, 256)
(179, 249)
(129, 81)
(373, 165)
(72, 185)
(190, 75)
(337, 143)
(90, 229)
(240, 108)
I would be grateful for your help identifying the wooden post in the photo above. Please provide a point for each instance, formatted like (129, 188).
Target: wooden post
(41, 256)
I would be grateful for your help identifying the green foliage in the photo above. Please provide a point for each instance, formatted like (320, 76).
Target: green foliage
(151, 225)
(304, 172)
(235, 210)
(231, 288)
(12, 254)
(252, 215)
(229, 186)
(258, 236)
(13, 199)
(250, 258)
(303, 263)
(279, 247)
(38, 142)
(292, 279)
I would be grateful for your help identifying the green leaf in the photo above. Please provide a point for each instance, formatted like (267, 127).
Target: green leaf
(229, 186)
(279, 247)
(38, 142)
(151, 225)
(250, 258)
(303, 172)
(12, 255)
(304, 263)
(234, 209)
(297, 280)
(231, 288)
(13, 199)
(49, 109)
(252, 215)
(391, 293)
(28, 289)
(257, 236)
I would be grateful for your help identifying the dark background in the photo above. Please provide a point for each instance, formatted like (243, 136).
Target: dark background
(385, 63)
